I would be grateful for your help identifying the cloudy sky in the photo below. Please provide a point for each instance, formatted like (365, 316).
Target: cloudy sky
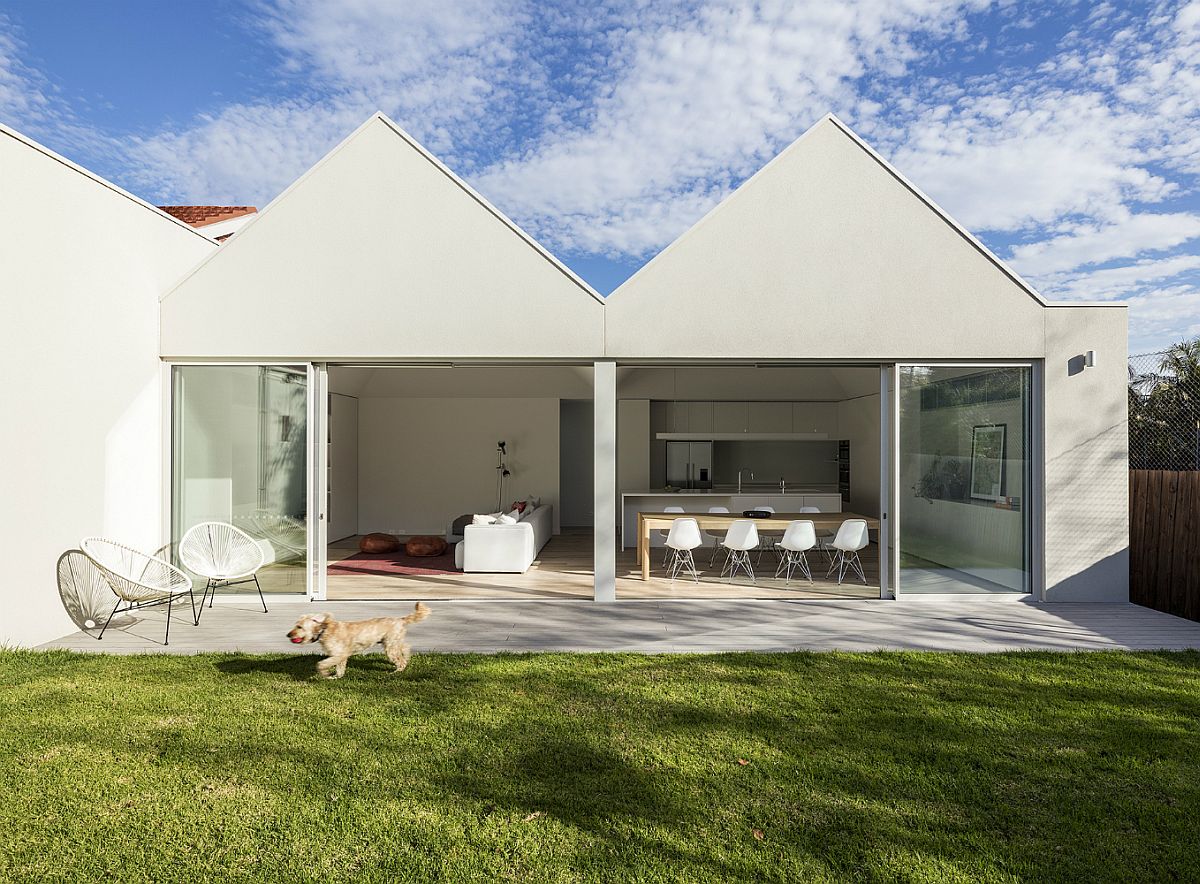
(1065, 135)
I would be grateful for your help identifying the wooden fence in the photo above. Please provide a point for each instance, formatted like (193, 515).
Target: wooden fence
(1164, 541)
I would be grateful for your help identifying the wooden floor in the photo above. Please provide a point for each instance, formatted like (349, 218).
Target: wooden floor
(564, 570)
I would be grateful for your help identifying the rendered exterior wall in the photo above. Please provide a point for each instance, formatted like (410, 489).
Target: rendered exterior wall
(378, 252)
(1087, 456)
(823, 254)
(83, 268)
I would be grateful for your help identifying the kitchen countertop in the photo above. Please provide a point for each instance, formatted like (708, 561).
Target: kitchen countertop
(798, 491)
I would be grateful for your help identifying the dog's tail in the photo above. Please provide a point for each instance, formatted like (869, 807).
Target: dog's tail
(420, 612)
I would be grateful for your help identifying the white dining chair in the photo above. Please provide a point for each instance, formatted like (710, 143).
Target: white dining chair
(824, 538)
(716, 535)
(663, 535)
(683, 537)
(740, 539)
(766, 538)
(799, 537)
(851, 536)
(224, 556)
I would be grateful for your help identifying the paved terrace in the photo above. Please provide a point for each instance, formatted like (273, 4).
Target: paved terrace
(974, 623)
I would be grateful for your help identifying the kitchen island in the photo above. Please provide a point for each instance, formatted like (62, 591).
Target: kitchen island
(633, 502)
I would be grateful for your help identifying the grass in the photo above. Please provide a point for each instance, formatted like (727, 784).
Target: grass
(740, 767)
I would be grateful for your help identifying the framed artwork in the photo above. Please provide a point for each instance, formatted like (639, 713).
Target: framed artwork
(988, 443)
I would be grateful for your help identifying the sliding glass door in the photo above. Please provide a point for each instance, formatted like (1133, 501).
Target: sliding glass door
(240, 448)
(963, 483)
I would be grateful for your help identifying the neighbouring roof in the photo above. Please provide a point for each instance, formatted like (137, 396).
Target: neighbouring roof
(202, 216)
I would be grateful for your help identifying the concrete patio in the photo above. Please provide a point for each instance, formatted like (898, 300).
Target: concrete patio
(929, 623)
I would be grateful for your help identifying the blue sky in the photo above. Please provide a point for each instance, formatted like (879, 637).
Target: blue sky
(1065, 135)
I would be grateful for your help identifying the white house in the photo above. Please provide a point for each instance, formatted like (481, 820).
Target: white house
(347, 362)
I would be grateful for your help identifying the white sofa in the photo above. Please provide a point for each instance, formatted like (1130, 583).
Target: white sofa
(505, 549)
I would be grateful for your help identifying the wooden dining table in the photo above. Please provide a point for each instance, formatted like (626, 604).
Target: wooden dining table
(776, 524)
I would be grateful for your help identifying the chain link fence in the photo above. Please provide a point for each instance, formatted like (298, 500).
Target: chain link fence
(1164, 409)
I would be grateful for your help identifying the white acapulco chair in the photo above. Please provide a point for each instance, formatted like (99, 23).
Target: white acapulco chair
(799, 537)
(138, 580)
(224, 556)
(683, 537)
(852, 536)
(740, 539)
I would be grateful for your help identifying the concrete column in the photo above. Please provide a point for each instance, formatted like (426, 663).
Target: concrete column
(604, 552)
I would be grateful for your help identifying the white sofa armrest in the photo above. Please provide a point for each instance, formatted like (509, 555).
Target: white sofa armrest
(505, 549)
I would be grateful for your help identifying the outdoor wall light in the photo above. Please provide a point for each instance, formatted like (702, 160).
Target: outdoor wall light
(1089, 358)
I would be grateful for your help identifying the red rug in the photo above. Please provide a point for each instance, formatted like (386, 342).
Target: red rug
(396, 564)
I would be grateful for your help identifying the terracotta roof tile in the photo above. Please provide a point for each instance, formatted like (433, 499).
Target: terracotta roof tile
(200, 216)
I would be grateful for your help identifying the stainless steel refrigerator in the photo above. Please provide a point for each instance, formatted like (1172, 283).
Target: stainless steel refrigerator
(689, 464)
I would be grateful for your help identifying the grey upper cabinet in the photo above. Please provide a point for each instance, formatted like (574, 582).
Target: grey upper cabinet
(680, 419)
(700, 417)
(730, 417)
(770, 417)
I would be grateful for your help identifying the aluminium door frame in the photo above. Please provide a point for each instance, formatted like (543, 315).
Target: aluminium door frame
(314, 583)
(1034, 528)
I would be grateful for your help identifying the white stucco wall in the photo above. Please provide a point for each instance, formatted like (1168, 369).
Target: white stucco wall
(83, 266)
(1087, 455)
(380, 252)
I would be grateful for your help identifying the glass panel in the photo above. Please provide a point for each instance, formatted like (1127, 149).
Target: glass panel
(239, 455)
(964, 479)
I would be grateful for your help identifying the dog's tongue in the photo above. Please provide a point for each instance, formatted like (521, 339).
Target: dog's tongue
(296, 641)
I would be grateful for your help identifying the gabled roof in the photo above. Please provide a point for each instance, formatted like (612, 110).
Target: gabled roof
(828, 252)
(202, 216)
(86, 173)
(416, 261)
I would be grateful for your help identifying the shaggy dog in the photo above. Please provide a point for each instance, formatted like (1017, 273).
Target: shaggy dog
(340, 640)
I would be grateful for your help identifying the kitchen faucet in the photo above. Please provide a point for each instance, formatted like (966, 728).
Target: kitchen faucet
(744, 470)
(782, 485)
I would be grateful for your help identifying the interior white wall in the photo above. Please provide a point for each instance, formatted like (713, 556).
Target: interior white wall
(575, 467)
(423, 461)
(633, 445)
(82, 266)
(343, 466)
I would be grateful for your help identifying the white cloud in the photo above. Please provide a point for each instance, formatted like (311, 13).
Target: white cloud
(1096, 244)
(1120, 282)
(436, 67)
(702, 103)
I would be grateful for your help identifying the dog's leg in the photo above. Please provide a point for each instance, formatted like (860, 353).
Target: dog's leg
(398, 652)
(336, 664)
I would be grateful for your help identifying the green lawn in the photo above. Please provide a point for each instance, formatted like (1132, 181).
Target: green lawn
(741, 767)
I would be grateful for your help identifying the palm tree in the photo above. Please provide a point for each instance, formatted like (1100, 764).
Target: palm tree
(1164, 411)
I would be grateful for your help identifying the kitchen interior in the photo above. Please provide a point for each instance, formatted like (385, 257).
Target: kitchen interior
(752, 453)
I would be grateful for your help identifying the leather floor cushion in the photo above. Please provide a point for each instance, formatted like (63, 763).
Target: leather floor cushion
(425, 545)
(379, 543)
